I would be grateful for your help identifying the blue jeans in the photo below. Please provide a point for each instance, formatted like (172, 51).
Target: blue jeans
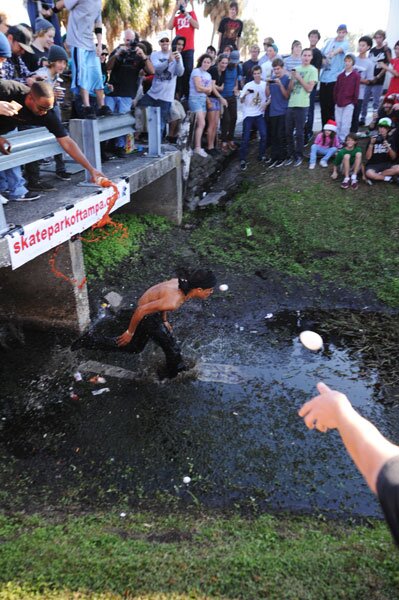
(374, 92)
(310, 119)
(327, 153)
(295, 121)
(119, 105)
(188, 62)
(148, 100)
(250, 122)
(12, 180)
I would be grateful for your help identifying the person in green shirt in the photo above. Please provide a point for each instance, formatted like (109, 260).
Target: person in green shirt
(303, 80)
(349, 160)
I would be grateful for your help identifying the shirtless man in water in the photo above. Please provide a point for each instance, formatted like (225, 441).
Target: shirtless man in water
(150, 319)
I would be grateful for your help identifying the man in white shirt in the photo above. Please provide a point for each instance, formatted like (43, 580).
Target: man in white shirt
(253, 99)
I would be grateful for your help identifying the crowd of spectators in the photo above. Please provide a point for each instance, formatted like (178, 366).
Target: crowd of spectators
(80, 78)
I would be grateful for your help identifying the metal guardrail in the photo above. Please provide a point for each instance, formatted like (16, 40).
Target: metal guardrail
(37, 143)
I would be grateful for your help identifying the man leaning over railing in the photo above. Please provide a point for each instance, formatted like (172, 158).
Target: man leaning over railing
(37, 109)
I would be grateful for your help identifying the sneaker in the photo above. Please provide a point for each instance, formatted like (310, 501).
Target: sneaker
(288, 162)
(323, 163)
(28, 197)
(312, 165)
(265, 160)
(388, 178)
(40, 186)
(362, 122)
(243, 165)
(279, 163)
(298, 162)
(213, 152)
(354, 184)
(345, 184)
(88, 112)
(273, 164)
(369, 182)
(64, 175)
(104, 111)
(3, 199)
(201, 152)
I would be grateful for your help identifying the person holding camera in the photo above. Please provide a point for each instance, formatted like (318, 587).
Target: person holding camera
(125, 64)
(381, 153)
(168, 66)
(253, 99)
(185, 23)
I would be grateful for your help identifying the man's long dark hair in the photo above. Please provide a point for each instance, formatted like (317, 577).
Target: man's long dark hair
(199, 278)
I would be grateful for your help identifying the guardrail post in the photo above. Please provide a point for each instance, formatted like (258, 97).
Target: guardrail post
(86, 135)
(3, 223)
(154, 130)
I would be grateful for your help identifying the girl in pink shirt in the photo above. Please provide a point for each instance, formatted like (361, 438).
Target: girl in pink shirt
(326, 144)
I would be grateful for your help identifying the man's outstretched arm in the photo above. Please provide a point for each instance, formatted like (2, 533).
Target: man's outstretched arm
(368, 448)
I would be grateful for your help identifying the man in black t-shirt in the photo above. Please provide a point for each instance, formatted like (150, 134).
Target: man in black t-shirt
(379, 53)
(230, 29)
(125, 64)
(248, 65)
(381, 153)
(37, 109)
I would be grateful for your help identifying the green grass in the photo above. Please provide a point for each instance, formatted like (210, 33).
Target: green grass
(107, 253)
(304, 224)
(194, 556)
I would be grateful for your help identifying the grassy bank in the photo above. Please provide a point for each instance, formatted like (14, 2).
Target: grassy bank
(194, 556)
(113, 248)
(304, 224)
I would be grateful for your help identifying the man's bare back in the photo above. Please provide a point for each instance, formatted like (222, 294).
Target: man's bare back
(162, 297)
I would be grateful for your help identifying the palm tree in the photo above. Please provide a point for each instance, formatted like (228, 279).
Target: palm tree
(216, 10)
(144, 16)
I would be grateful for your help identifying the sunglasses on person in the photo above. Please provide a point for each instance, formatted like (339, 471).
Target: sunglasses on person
(104, 53)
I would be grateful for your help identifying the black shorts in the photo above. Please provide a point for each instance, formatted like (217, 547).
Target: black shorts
(379, 167)
(388, 494)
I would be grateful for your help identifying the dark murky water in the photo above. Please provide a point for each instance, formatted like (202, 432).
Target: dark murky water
(232, 427)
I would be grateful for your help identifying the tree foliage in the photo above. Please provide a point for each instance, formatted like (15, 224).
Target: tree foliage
(250, 34)
(144, 16)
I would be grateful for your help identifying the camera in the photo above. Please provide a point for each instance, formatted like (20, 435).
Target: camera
(130, 50)
(378, 139)
(182, 9)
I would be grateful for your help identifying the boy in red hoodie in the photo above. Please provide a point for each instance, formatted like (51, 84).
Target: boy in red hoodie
(346, 94)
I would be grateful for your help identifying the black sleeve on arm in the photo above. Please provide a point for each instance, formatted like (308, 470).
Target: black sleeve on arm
(54, 125)
(388, 494)
(9, 90)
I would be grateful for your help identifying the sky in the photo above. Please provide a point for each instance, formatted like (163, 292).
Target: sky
(292, 19)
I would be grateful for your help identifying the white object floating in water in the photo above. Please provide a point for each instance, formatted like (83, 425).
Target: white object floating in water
(223, 287)
(311, 340)
(100, 391)
(123, 515)
(269, 316)
(186, 479)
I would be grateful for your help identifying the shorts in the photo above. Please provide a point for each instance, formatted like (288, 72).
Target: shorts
(379, 167)
(86, 70)
(197, 104)
(388, 494)
(213, 104)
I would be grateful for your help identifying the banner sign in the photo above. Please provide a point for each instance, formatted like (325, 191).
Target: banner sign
(30, 241)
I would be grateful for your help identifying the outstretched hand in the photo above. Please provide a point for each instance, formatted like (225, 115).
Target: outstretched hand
(323, 411)
(124, 339)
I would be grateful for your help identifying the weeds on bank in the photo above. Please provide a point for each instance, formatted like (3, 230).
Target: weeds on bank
(304, 227)
(109, 252)
(194, 556)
